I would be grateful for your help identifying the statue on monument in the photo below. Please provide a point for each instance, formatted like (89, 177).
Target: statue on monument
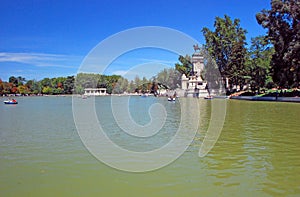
(196, 48)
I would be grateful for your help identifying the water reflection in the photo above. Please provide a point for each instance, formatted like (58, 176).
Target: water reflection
(258, 146)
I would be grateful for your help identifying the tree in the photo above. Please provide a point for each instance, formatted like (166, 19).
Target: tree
(145, 85)
(46, 82)
(22, 89)
(131, 87)
(29, 84)
(169, 77)
(13, 80)
(47, 90)
(1, 87)
(260, 54)
(185, 66)
(7, 88)
(21, 80)
(124, 84)
(283, 25)
(111, 82)
(210, 72)
(137, 83)
(36, 87)
(68, 85)
(121, 86)
(227, 46)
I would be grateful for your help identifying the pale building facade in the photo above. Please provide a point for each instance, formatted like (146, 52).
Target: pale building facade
(95, 91)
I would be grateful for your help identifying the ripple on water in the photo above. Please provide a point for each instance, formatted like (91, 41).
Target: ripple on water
(257, 153)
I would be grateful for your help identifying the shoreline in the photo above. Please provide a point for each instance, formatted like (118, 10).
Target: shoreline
(244, 98)
(273, 99)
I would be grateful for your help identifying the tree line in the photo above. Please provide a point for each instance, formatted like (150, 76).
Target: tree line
(272, 60)
(168, 78)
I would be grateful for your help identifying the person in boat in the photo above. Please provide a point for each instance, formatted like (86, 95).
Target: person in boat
(14, 100)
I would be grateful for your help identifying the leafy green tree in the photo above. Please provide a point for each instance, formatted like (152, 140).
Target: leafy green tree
(68, 85)
(137, 83)
(282, 22)
(46, 82)
(78, 89)
(36, 87)
(111, 82)
(21, 80)
(22, 89)
(169, 77)
(121, 86)
(86, 80)
(260, 54)
(185, 66)
(57, 91)
(131, 87)
(144, 87)
(1, 87)
(210, 71)
(226, 44)
(8, 88)
(102, 81)
(29, 84)
(124, 84)
(47, 90)
(13, 80)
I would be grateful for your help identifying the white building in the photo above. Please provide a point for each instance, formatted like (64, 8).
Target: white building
(95, 91)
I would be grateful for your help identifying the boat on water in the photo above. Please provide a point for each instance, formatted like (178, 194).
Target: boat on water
(208, 97)
(11, 101)
(171, 99)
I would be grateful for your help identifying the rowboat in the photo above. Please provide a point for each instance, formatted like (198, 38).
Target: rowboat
(171, 99)
(13, 101)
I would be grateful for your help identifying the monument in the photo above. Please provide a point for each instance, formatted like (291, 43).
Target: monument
(194, 85)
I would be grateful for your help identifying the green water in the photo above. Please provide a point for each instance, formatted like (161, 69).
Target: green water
(257, 154)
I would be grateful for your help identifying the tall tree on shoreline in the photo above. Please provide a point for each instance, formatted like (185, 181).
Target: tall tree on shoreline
(226, 44)
(283, 24)
(258, 67)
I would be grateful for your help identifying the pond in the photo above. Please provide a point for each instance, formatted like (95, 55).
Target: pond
(257, 152)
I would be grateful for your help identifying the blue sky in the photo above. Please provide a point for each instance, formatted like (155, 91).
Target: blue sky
(44, 38)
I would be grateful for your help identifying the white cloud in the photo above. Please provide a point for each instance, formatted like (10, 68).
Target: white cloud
(40, 59)
(120, 72)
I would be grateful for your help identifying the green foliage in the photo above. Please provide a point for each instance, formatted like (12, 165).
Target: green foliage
(169, 77)
(47, 90)
(210, 71)
(282, 22)
(260, 54)
(68, 85)
(226, 44)
(22, 89)
(185, 66)
(13, 80)
(121, 86)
